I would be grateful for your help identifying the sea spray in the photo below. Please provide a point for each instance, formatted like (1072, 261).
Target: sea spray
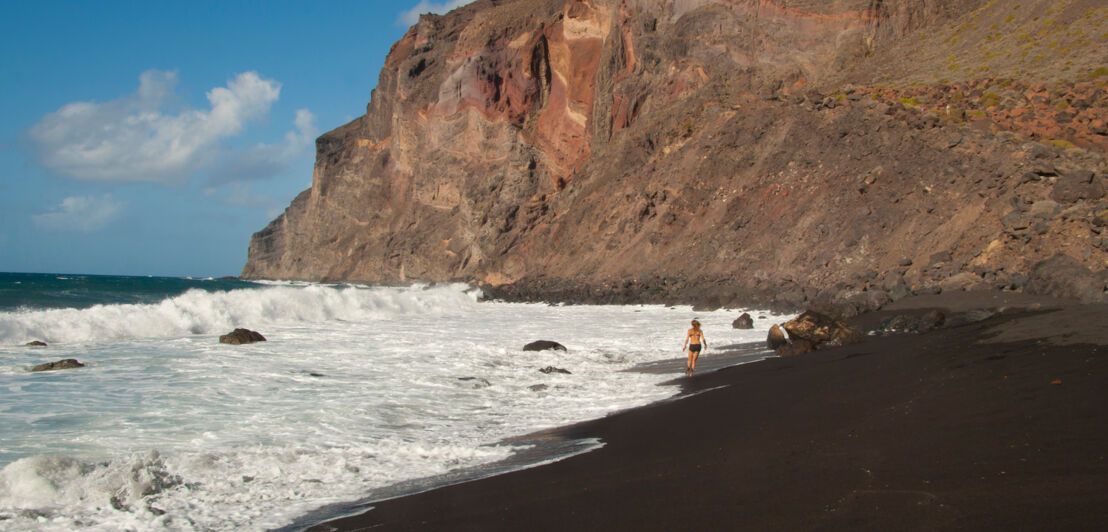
(201, 312)
(358, 388)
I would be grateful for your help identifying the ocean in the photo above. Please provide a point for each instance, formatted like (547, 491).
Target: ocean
(358, 390)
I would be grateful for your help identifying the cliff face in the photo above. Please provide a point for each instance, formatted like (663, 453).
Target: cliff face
(738, 149)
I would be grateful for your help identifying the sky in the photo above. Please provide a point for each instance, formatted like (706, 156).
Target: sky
(154, 138)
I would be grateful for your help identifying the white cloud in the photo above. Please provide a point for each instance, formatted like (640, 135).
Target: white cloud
(80, 213)
(133, 138)
(411, 16)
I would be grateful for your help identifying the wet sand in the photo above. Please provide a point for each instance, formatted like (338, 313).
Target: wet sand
(711, 360)
(999, 422)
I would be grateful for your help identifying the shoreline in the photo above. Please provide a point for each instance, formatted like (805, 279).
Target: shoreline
(993, 422)
(547, 446)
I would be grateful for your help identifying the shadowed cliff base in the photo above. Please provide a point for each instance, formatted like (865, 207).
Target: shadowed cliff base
(995, 424)
(1057, 277)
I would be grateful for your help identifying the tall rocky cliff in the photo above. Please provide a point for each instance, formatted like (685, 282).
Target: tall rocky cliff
(721, 151)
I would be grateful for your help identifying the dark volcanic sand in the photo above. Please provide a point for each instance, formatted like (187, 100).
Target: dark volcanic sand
(999, 424)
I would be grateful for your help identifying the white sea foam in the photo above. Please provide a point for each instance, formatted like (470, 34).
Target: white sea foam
(203, 312)
(357, 388)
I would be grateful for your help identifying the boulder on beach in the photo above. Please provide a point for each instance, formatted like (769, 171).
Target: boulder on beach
(796, 347)
(776, 337)
(1064, 276)
(36, 343)
(913, 323)
(241, 336)
(743, 322)
(544, 345)
(822, 331)
(68, 363)
(850, 303)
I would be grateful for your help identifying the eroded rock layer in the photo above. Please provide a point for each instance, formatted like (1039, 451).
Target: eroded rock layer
(723, 152)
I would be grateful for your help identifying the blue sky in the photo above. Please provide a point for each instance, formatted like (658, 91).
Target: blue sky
(154, 138)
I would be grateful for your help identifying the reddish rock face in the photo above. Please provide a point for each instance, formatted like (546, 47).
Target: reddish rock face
(735, 147)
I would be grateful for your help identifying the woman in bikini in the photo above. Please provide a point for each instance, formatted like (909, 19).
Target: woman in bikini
(694, 341)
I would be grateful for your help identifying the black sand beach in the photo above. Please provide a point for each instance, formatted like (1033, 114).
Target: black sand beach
(996, 422)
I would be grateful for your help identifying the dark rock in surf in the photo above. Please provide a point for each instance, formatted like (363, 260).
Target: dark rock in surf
(743, 322)
(241, 336)
(551, 369)
(537, 387)
(776, 337)
(36, 343)
(477, 382)
(822, 331)
(69, 363)
(544, 345)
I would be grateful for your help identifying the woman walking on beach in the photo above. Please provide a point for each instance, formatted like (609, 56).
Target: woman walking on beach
(694, 339)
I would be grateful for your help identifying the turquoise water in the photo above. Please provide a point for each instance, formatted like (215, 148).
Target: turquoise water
(40, 291)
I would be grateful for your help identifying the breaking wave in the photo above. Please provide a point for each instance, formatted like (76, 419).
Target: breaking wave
(199, 312)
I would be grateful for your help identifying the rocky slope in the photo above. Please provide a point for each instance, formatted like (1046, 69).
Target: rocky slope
(721, 152)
